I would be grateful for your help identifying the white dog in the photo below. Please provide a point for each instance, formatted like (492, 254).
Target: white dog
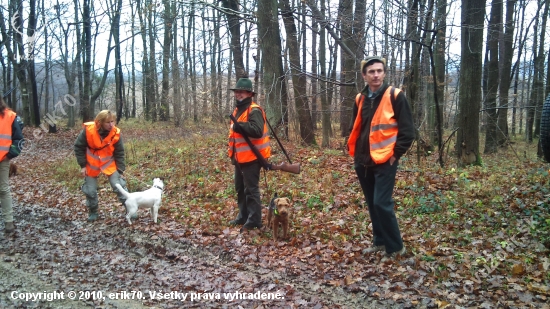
(149, 198)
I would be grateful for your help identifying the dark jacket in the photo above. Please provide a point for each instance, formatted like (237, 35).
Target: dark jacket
(403, 115)
(16, 139)
(81, 144)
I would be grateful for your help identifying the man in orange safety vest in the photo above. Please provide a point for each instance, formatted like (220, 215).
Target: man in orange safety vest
(381, 133)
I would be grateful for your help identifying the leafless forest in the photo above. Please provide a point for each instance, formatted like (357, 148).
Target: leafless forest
(473, 70)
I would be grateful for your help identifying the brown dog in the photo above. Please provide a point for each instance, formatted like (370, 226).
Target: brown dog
(278, 213)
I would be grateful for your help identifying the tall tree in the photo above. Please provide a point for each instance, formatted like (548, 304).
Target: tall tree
(17, 54)
(115, 12)
(152, 77)
(127, 111)
(31, 33)
(537, 94)
(176, 72)
(439, 56)
(493, 76)
(146, 96)
(164, 112)
(467, 144)
(323, 76)
(353, 24)
(506, 52)
(234, 26)
(273, 76)
(298, 76)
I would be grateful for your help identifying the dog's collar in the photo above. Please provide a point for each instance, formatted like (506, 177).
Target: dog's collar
(161, 189)
(276, 211)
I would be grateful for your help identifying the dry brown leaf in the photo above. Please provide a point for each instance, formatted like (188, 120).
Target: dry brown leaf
(442, 304)
(539, 288)
(518, 269)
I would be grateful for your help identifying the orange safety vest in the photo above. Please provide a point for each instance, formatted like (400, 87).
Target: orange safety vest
(243, 153)
(99, 153)
(5, 132)
(383, 128)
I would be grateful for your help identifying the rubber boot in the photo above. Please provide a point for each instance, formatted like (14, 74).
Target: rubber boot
(9, 227)
(92, 216)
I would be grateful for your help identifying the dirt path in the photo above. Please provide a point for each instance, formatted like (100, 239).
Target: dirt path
(97, 261)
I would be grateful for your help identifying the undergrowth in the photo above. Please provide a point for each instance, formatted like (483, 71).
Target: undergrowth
(504, 199)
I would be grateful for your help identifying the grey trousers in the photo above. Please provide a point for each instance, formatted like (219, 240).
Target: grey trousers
(5, 191)
(90, 189)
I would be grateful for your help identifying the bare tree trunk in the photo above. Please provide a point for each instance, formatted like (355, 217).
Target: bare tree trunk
(298, 76)
(119, 77)
(439, 59)
(205, 93)
(273, 76)
(535, 98)
(506, 53)
(152, 89)
(87, 107)
(352, 32)
(235, 30)
(186, 69)
(127, 111)
(325, 103)
(538, 83)
(164, 113)
(193, 64)
(145, 95)
(467, 145)
(214, 74)
(176, 72)
(47, 66)
(17, 55)
(495, 28)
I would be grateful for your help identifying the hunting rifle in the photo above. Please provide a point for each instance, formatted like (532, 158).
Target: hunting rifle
(285, 167)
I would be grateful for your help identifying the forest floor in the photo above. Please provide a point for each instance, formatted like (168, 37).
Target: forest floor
(475, 237)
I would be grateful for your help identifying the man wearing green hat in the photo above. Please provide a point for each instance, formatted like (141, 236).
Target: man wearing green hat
(382, 132)
(251, 123)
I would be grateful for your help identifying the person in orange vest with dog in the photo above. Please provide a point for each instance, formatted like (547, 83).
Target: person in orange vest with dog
(251, 120)
(99, 149)
(381, 133)
(11, 137)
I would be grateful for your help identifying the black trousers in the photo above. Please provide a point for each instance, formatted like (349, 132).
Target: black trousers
(247, 179)
(377, 183)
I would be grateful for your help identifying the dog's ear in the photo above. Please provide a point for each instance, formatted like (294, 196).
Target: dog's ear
(276, 201)
(287, 200)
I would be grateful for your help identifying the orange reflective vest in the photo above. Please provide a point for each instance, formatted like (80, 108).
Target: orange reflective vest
(243, 153)
(5, 132)
(383, 128)
(99, 153)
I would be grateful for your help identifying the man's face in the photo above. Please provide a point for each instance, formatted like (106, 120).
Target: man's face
(108, 124)
(374, 75)
(242, 94)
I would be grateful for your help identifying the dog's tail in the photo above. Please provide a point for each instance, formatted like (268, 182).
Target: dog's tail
(121, 190)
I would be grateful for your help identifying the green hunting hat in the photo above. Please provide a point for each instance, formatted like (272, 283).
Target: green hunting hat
(372, 59)
(244, 84)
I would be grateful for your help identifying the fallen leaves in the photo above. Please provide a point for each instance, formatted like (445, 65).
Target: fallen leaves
(466, 240)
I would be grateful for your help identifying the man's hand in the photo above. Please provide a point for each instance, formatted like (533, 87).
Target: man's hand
(392, 160)
(83, 171)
